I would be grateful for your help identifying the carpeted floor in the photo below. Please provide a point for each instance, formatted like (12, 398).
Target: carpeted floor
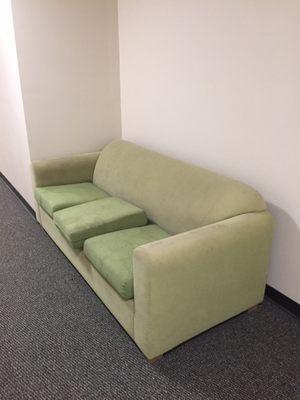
(58, 341)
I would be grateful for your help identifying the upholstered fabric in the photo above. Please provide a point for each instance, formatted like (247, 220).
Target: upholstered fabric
(190, 282)
(175, 195)
(54, 198)
(81, 222)
(61, 171)
(111, 254)
(182, 284)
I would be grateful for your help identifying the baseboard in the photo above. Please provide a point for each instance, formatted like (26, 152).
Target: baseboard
(283, 300)
(20, 197)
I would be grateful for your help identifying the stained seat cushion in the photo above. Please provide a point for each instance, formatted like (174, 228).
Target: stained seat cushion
(54, 198)
(81, 222)
(111, 255)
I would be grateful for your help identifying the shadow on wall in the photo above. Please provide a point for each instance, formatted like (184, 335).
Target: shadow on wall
(285, 255)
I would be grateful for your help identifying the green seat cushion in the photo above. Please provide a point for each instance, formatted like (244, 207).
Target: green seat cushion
(111, 255)
(81, 222)
(54, 198)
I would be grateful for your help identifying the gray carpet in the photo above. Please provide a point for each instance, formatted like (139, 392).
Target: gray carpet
(58, 341)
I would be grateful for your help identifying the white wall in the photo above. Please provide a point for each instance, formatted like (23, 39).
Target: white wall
(14, 153)
(68, 61)
(217, 83)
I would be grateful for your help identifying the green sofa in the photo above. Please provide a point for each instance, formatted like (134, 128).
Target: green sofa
(170, 248)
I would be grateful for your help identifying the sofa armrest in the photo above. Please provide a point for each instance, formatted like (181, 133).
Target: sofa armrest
(192, 281)
(60, 171)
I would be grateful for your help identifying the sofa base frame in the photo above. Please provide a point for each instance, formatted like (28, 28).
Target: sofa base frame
(154, 359)
(254, 308)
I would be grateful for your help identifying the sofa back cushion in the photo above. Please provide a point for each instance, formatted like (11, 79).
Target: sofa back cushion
(175, 195)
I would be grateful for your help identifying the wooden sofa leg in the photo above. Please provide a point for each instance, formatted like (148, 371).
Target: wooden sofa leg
(153, 360)
(254, 308)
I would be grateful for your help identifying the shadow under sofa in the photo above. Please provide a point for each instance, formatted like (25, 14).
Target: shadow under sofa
(205, 239)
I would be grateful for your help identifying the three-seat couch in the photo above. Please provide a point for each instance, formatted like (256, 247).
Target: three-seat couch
(170, 248)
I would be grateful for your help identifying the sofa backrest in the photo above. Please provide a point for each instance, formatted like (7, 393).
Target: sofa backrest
(175, 195)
